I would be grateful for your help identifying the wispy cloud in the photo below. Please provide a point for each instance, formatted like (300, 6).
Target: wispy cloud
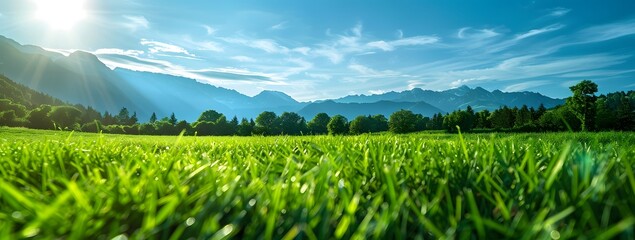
(160, 47)
(208, 29)
(318, 76)
(471, 33)
(559, 12)
(354, 42)
(538, 31)
(524, 86)
(279, 26)
(118, 52)
(134, 23)
(608, 31)
(203, 45)
(411, 41)
(330, 52)
(269, 46)
(243, 59)
(367, 72)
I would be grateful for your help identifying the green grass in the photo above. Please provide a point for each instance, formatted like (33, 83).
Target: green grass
(422, 186)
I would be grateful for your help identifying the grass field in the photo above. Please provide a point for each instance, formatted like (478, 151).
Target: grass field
(417, 186)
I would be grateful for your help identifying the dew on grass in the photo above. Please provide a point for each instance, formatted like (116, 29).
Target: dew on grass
(190, 221)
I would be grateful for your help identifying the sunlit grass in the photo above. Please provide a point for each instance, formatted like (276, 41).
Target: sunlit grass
(531, 186)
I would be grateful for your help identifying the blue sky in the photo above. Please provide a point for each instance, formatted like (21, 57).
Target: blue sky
(328, 49)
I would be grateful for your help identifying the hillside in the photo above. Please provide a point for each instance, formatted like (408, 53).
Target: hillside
(23, 95)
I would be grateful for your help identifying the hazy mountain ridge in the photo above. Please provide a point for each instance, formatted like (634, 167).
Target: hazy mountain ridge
(81, 78)
(459, 98)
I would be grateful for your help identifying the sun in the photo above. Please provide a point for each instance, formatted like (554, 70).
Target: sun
(60, 14)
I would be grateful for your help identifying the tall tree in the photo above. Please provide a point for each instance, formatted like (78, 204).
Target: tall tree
(582, 103)
(317, 125)
(267, 123)
(38, 118)
(209, 116)
(245, 128)
(65, 116)
(292, 124)
(338, 125)
(123, 118)
(153, 118)
(523, 117)
(402, 121)
(172, 120)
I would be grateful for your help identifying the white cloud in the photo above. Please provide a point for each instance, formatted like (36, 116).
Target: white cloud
(518, 87)
(411, 41)
(357, 30)
(269, 46)
(608, 31)
(243, 59)
(118, 52)
(376, 92)
(367, 72)
(135, 23)
(381, 45)
(399, 33)
(319, 76)
(302, 50)
(415, 41)
(279, 26)
(559, 12)
(209, 30)
(525, 67)
(331, 53)
(470, 33)
(535, 32)
(160, 47)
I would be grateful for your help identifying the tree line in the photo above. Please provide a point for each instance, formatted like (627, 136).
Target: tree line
(583, 111)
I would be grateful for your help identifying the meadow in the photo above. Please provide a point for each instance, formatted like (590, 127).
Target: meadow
(413, 186)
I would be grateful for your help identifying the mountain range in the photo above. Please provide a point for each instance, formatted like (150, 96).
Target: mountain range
(81, 78)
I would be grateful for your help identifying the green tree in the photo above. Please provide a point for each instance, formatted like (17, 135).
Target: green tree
(267, 124)
(123, 118)
(402, 121)
(317, 125)
(90, 115)
(38, 118)
(459, 118)
(8, 118)
(245, 128)
(582, 103)
(210, 116)
(523, 117)
(172, 120)
(338, 125)
(153, 118)
(361, 124)
(65, 116)
(292, 124)
(482, 119)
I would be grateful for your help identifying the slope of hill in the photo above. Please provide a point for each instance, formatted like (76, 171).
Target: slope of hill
(23, 95)
(352, 110)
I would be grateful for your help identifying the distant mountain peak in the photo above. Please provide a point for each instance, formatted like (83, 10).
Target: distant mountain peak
(464, 87)
(275, 97)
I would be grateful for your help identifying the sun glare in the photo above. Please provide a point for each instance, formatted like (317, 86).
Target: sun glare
(60, 14)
